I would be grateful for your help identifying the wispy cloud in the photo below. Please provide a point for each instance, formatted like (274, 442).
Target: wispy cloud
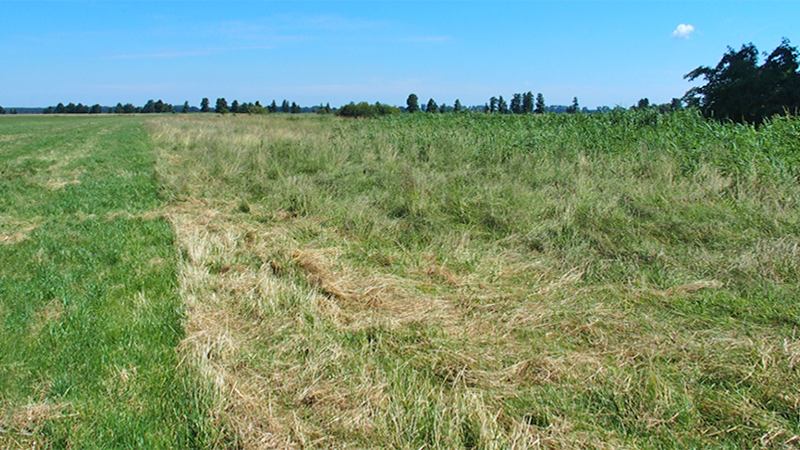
(683, 31)
(336, 23)
(183, 54)
(433, 39)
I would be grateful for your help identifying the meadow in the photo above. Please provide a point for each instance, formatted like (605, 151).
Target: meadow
(625, 280)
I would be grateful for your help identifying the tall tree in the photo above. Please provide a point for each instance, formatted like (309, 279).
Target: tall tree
(295, 108)
(492, 105)
(235, 106)
(575, 107)
(185, 108)
(2, 110)
(285, 106)
(457, 106)
(412, 103)
(541, 108)
(502, 106)
(739, 89)
(96, 109)
(221, 106)
(643, 103)
(443, 108)
(159, 107)
(527, 102)
(516, 104)
(432, 107)
(61, 109)
(205, 105)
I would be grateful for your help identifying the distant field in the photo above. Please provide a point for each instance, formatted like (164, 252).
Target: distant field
(417, 281)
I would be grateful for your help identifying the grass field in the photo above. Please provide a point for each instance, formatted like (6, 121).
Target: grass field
(417, 281)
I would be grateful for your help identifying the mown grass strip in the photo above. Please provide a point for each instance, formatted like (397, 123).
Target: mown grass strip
(89, 315)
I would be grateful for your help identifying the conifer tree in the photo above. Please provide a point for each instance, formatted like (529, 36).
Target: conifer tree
(541, 108)
(432, 107)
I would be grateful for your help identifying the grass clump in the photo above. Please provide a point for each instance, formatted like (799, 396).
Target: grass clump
(483, 281)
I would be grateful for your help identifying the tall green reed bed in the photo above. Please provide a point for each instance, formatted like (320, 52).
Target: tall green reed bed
(627, 279)
(89, 312)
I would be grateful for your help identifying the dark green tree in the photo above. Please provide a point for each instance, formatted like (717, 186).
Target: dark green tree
(516, 104)
(527, 103)
(159, 107)
(129, 109)
(118, 109)
(285, 108)
(575, 107)
(739, 89)
(2, 110)
(443, 108)
(457, 106)
(273, 107)
(327, 108)
(412, 103)
(295, 108)
(492, 105)
(70, 108)
(221, 106)
(205, 105)
(643, 103)
(185, 108)
(502, 106)
(234, 106)
(61, 109)
(96, 109)
(149, 107)
(364, 109)
(432, 107)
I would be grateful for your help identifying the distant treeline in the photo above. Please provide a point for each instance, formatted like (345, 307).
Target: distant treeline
(737, 89)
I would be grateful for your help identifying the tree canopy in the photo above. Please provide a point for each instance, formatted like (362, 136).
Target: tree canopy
(740, 90)
(364, 109)
(412, 104)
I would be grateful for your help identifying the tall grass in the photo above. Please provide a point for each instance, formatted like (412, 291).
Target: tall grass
(481, 281)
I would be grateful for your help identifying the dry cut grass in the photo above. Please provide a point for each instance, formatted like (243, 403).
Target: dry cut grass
(349, 325)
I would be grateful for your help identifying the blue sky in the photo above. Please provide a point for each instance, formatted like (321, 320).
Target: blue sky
(604, 52)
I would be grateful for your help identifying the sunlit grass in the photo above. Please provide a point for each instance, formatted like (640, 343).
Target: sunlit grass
(88, 297)
(440, 281)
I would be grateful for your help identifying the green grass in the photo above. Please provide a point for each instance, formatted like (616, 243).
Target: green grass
(89, 312)
(471, 281)
(415, 281)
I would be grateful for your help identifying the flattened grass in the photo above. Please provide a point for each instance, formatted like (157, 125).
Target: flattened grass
(89, 313)
(469, 281)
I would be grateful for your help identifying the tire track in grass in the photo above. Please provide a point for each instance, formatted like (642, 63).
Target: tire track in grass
(89, 312)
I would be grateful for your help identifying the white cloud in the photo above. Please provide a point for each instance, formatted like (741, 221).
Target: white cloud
(683, 31)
